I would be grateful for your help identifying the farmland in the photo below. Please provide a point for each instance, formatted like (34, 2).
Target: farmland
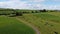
(10, 25)
(47, 22)
(19, 21)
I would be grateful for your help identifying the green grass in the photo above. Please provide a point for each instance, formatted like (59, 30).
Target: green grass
(10, 25)
(47, 23)
(49, 17)
(55, 13)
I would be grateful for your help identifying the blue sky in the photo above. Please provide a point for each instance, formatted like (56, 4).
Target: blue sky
(30, 4)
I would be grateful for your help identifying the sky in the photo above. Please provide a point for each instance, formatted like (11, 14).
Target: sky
(30, 4)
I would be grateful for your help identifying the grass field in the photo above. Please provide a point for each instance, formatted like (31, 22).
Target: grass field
(47, 23)
(10, 25)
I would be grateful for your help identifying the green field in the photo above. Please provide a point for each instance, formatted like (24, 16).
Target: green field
(10, 25)
(47, 22)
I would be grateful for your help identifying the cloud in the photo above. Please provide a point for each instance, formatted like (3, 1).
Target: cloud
(36, 0)
(18, 4)
(51, 7)
(12, 4)
(27, 4)
(56, 0)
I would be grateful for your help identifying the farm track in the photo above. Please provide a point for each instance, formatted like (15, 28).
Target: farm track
(35, 28)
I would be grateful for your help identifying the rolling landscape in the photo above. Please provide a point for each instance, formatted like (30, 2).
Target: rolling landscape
(29, 16)
(16, 21)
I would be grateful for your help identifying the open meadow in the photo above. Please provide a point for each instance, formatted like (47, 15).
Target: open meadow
(29, 21)
(29, 16)
(10, 25)
(46, 22)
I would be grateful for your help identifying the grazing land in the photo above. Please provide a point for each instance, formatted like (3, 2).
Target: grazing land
(15, 21)
(47, 22)
(10, 25)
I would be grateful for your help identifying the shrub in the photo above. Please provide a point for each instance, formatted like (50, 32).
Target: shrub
(55, 32)
(32, 11)
(18, 13)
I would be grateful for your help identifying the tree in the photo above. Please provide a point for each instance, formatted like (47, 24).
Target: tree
(32, 11)
(44, 10)
(18, 13)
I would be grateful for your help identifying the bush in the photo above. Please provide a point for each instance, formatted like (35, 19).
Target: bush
(55, 32)
(44, 10)
(18, 13)
(32, 11)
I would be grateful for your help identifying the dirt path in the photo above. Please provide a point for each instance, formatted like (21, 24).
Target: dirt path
(35, 28)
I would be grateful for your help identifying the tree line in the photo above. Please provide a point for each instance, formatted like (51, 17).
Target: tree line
(18, 12)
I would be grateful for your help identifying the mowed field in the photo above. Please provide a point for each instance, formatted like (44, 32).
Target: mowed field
(47, 22)
(10, 25)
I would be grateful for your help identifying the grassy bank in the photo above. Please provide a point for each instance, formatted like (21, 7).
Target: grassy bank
(47, 23)
(10, 25)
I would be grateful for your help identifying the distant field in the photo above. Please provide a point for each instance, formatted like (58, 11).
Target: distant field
(10, 25)
(47, 23)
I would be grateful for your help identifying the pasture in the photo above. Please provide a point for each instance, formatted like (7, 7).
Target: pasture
(47, 22)
(10, 25)
(42, 21)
